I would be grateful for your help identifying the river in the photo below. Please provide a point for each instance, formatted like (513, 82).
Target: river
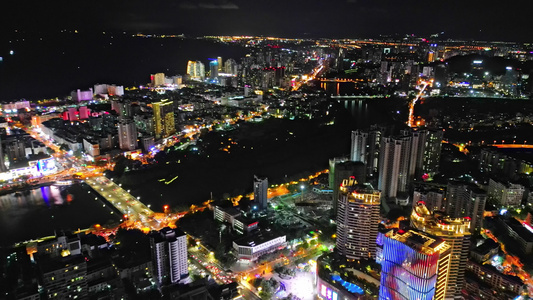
(39, 212)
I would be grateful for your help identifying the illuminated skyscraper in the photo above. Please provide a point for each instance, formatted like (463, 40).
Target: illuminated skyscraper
(158, 79)
(261, 192)
(196, 70)
(163, 118)
(456, 233)
(220, 65)
(357, 220)
(365, 147)
(414, 266)
(213, 69)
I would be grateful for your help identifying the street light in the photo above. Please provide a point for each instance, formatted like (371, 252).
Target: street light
(302, 188)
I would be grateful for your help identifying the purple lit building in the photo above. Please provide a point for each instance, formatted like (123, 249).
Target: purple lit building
(414, 265)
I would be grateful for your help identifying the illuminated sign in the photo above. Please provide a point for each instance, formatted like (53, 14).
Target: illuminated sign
(477, 62)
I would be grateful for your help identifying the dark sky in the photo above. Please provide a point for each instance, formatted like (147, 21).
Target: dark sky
(292, 18)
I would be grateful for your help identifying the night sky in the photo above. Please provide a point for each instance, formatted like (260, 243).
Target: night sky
(482, 20)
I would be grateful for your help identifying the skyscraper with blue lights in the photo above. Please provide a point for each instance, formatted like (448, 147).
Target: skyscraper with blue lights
(414, 265)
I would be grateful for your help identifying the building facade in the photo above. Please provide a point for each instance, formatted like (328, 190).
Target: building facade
(169, 255)
(456, 233)
(414, 266)
(357, 220)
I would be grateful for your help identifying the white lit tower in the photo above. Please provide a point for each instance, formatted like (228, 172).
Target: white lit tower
(456, 233)
(169, 255)
(357, 220)
(196, 70)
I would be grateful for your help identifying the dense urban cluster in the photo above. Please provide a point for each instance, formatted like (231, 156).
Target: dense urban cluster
(432, 200)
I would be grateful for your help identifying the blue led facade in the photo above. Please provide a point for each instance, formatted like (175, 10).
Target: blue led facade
(407, 272)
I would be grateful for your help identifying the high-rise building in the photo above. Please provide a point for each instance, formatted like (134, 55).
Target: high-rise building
(506, 194)
(169, 255)
(357, 220)
(213, 69)
(164, 125)
(158, 79)
(404, 158)
(65, 277)
(432, 149)
(456, 233)
(394, 165)
(261, 192)
(414, 265)
(123, 108)
(343, 170)
(220, 65)
(466, 200)
(127, 135)
(359, 146)
(331, 175)
(3, 167)
(433, 197)
(230, 66)
(196, 70)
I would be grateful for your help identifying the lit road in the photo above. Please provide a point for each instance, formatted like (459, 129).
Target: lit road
(134, 211)
(411, 119)
(307, 78)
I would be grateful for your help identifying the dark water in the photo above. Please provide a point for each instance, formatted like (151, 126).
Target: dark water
(38, 212)
(43, 66)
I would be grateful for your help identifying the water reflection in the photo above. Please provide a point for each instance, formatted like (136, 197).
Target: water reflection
(47, 196)
(42, 211)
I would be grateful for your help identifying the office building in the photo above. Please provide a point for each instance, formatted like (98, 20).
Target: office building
(164, 125)
(196, 70)
(414, 266)
(127, 135)
(466, 200)
(169, 255)
(456, 233)
(260, 193)
(357, 220)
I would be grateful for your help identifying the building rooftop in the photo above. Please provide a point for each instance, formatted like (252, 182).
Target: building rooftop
(259, 238)
(420, 241)
(486, 246)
